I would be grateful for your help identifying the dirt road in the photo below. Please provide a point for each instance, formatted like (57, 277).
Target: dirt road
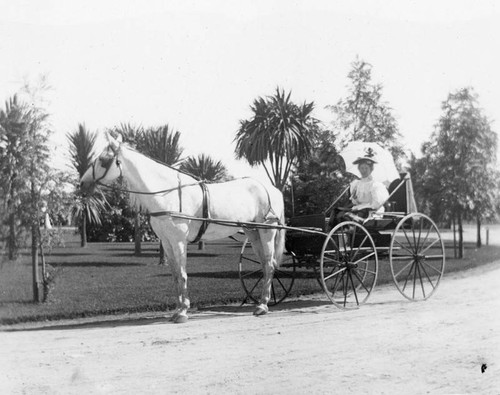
(390, 346)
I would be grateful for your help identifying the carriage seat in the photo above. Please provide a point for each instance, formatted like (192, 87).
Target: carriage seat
(398, 198)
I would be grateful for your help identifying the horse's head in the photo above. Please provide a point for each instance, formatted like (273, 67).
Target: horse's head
(105, 169)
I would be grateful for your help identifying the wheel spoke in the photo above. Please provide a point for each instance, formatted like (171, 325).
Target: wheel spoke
(359, 247)
(420, 278)
(256, 283)
(280, 283)
(427, 235)
(428, 278)
(428, 257)
(401, 257)
(365, 270)
(404, 247)
(430, 246)
(415, 279)
(354, 289)
(365, 257)
(407, 239)
(361, 281)
(344, 288)
(432, 267)
(398, 273)
(336, 283)
(408, 276)
(335, 273)
(251, 273)
(251, 260)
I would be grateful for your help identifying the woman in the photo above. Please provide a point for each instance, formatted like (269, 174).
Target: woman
(367, 195)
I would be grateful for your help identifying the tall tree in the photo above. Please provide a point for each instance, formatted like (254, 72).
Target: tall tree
(461, 161)
(205, 168)
(14, 162)
(364, 116)
(24, 158)
(318, 179)
(86, 208)
(278, 134)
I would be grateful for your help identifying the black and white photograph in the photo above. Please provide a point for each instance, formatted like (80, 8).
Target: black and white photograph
(249, 197)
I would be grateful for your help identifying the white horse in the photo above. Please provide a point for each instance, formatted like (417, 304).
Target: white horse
(173, 199)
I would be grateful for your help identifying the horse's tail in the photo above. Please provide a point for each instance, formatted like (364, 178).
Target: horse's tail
(279, 241)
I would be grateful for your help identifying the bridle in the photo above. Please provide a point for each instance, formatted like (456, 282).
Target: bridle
(107, 167)
(108, 163)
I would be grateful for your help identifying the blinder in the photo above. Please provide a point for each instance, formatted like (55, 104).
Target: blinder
(106, 162)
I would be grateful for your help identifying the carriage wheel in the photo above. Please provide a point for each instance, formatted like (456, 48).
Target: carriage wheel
(252, 276)
(348, 265)
(417, 257)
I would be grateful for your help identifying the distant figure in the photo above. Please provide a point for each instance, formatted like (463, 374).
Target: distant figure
(367, 195)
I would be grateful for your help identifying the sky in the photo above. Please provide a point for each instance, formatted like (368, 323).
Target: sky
(198, 65)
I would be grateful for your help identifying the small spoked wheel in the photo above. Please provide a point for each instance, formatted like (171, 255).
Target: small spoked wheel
(252, 276)
(417, 257)
(348, 265)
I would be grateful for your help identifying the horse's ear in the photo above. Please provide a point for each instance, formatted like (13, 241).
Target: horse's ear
(114, 141)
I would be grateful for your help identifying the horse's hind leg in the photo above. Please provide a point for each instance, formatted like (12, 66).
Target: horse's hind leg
(263, 244)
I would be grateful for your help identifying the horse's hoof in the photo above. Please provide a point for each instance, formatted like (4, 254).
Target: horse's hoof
(174, 317)
(261, 310)
(181, 319)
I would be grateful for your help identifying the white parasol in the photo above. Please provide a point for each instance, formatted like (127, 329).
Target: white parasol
(384, 170)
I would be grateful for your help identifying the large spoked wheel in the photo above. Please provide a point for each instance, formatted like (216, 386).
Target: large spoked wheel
(417, 257)
(348, 265)
(252, 276)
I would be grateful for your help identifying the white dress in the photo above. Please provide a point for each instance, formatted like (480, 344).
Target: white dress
(367, 193)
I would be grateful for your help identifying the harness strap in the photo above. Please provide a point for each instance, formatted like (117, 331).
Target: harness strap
(180, 192)
(206, 220)
(206, 214)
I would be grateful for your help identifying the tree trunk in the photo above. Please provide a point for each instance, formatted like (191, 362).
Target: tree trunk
(137, 234)
(163, 258)
(84, 229)
(11, 241)
(34, 261)
(454, 237)
(35, 230)
(460, 236)
(479, 241)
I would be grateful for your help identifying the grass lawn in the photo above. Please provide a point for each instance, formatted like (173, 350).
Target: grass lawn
(106, 278)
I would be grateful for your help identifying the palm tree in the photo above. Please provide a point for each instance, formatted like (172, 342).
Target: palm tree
(161, 144)
(205, 168)
(277, 136)
(86, 208)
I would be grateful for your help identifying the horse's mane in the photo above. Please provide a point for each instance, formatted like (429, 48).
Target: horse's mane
(171, 167)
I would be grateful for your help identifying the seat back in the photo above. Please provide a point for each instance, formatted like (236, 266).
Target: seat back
(308, 221)
(401, 197)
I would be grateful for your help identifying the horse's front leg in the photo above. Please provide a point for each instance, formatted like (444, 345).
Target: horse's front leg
(178, 254)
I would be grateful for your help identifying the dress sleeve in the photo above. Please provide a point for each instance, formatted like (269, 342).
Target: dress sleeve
(379, 195)
(353, 192)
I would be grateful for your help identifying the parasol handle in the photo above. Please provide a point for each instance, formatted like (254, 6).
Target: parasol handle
(336, 200)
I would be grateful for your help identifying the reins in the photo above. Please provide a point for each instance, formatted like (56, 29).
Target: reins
(206, 220)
